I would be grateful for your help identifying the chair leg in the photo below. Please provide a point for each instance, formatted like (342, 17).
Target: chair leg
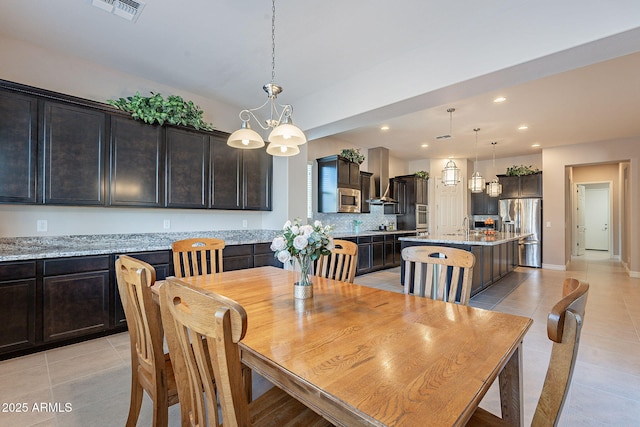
(136, 401)
(160, 404)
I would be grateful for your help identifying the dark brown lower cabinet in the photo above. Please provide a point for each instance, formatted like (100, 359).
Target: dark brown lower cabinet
(17, 306)
(75, 297)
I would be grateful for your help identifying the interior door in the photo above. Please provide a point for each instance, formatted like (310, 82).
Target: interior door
(449, 208)
(597, 219)
(580, 219)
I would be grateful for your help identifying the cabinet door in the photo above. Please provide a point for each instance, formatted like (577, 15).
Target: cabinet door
(18, 136)
(354, 175)
(187, 169)
(400, 194)
(389, 251)
(17, 305)
(422, 191)
(257, 173)
(72, 152)
(344, 168)
(226, 166)
(75, 305)
(492, 205)
(364, 258)
(510, 187)
(137, 163)
(531, 185)
(365, 189)
(479, 203)
(237, 257)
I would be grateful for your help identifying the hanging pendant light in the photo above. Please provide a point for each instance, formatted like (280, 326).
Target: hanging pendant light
(494, 188)
(476, 182)
(450, 173)
(284, 137)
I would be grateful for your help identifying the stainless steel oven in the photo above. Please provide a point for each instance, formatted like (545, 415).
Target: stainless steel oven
(348, 200)
(422, 217)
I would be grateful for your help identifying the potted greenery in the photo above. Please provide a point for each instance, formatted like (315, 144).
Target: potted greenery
(422, 174)
(353, 155)
(173, 110)
(521, 170)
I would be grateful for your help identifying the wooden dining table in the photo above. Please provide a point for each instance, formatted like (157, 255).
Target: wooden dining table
(364, 356)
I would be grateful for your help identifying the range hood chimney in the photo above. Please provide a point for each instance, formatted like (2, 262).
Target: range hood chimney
(379, 167)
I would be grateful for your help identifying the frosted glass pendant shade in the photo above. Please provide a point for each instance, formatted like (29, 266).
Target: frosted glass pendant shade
(476, 183)
(287, 134)
(246, 138)
(450, 174)
(282, 150)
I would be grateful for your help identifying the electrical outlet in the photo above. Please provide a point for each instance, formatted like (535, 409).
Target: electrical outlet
(41, 225)
(548, 224)
(167, 224)
(244, 223)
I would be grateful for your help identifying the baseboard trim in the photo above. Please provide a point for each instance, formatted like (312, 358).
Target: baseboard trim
(554, 267)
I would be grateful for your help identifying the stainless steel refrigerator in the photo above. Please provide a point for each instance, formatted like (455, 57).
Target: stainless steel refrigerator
(524, 216)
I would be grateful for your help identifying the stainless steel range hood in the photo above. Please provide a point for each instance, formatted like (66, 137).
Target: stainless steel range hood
(379, 166)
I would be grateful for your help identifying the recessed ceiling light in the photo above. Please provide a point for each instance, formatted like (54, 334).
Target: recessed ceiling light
(535, 145)
(523, 127)
(500, 99)
(385, 127)
(424, 145)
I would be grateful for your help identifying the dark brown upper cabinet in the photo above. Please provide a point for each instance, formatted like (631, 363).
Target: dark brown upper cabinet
(187, 173)
(59, 149)
(240, 179)
(18, 147)
(521, 186)
(72, 155)
(257, 173)
(226, 181)
(137, 163)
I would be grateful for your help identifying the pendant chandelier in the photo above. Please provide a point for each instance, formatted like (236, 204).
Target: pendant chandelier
(450, 173)
(494, 188)
(476, 182)
(284, 137)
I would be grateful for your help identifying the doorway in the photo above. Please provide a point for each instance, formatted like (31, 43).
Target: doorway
(592, 214)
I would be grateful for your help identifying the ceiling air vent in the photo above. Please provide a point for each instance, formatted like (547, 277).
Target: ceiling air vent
(127, 9)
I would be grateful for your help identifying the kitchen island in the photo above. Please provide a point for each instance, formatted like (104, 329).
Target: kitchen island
(496, 254)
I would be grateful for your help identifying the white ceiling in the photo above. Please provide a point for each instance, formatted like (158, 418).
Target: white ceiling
(570, 70)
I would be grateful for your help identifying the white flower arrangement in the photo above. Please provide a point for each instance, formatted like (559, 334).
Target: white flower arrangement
(305, 243)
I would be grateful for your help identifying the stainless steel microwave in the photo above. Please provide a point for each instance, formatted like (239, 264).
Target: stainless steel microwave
(348, 200)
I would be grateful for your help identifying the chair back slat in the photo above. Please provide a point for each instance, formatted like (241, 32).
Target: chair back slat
(438, 272)
(205, 331)
(194, 257)
(341, 263)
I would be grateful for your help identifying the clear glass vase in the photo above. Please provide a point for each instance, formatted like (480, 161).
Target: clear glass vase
(303, 286)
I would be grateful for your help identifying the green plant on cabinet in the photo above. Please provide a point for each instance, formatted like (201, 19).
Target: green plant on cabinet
(353, 154)
(173, 110)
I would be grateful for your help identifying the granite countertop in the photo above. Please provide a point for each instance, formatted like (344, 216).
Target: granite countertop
(472, 239)
(27, 248)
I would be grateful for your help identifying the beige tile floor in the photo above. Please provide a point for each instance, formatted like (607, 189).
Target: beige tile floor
(93, 377)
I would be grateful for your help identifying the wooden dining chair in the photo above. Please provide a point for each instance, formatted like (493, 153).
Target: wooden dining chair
(204, 329)
(151, 368)
(564, 324)
(341, 263)
(193, 257)
(438, 272)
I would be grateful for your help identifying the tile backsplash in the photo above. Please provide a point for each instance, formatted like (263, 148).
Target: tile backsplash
(343, 222)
